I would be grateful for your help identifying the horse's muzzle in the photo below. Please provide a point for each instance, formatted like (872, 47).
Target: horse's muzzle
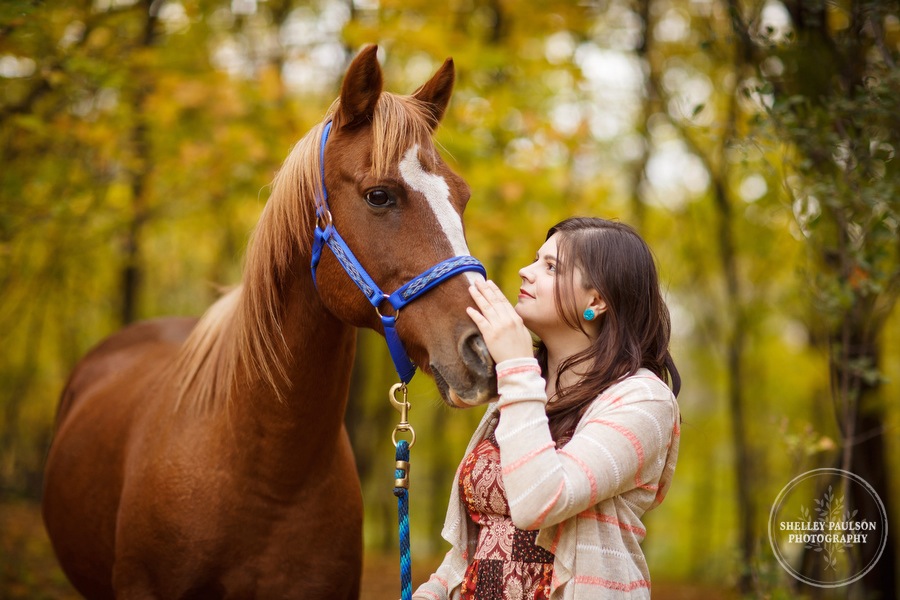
(478, 382)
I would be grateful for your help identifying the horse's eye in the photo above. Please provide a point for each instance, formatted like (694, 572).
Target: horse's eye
(379, 198)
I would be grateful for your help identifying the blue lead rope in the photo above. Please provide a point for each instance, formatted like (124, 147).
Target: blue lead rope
(401, 490)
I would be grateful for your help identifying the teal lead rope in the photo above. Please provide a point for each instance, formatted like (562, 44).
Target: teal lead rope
(402, 492)
(401, 486)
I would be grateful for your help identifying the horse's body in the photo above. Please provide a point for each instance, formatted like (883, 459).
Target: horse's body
(209, 459)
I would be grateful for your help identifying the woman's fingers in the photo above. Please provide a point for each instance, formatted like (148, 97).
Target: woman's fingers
(480, 322)
(499, 324)
(479, 297)
(488, 297)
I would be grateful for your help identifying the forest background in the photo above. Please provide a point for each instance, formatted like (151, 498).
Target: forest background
(751, 142)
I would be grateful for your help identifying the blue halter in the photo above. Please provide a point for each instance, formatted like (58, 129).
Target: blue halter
(326, 235)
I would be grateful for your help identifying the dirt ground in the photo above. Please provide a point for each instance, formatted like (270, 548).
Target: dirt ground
(28, 569)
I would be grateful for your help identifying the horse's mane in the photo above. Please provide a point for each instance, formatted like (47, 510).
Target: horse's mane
(241, 333)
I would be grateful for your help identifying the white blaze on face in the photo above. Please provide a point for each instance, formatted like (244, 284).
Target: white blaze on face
(436, 191)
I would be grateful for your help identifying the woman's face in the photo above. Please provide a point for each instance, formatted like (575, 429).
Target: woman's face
(537, 301)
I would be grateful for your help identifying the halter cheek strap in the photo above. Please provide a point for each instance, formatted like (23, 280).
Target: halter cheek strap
(326, 235)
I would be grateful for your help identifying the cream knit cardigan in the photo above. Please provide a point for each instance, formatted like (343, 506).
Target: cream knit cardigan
(586, 499)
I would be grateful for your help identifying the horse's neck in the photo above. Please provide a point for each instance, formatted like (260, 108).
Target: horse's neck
(306, 415)
(321, 350)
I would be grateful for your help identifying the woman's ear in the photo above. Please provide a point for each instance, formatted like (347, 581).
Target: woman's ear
(595, 306)
(596, 303)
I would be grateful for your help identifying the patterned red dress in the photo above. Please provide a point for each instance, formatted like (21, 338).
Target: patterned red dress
(508, 565)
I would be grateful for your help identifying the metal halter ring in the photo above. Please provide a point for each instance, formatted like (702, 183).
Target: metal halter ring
(381, 316)
(323, 220)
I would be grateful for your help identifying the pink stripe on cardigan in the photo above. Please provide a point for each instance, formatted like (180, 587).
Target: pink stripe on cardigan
(635, 442)
(590, 514)
(527, 458)
(591, 479)
(515, 370)
(540, 520)
(613, 585)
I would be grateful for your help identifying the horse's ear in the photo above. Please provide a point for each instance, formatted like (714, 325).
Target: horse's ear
(361, 89)
(436, 93)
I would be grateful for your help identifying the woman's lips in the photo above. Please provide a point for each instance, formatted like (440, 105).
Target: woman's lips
(524, 294)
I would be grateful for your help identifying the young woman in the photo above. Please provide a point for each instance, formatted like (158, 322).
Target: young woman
(583, 439)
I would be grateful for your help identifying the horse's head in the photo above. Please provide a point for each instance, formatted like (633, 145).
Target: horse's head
(399, 208)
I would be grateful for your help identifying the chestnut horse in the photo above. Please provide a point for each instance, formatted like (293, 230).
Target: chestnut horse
(209, 459)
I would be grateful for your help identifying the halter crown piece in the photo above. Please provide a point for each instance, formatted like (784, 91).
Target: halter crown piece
(326, 235)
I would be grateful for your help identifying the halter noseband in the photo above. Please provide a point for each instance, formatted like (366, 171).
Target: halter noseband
(326, 235)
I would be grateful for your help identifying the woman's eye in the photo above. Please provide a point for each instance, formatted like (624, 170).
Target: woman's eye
(379, 198)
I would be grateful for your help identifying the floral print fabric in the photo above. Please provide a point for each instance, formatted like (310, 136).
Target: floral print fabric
(508, 565)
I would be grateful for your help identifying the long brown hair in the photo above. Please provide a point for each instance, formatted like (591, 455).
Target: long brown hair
(635, 327)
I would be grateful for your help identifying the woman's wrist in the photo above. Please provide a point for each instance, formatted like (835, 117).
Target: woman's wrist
(512, 366)
(520, 380)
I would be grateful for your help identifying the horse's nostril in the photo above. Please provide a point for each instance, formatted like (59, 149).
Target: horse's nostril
(476, 356)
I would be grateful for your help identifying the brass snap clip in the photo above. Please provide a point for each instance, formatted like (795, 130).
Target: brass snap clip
(403, 406)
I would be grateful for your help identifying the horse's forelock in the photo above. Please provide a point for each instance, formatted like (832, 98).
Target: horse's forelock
(399, 123)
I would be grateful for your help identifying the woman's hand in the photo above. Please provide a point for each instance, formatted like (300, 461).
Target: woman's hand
(500, 326)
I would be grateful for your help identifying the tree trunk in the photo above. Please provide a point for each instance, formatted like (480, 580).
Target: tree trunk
(131, 277)
(865, 453)
(735, 349)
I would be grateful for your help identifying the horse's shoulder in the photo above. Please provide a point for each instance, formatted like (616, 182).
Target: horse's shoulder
(144, 344)
(163, 330)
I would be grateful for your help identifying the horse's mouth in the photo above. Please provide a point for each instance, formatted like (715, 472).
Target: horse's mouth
(480, 393)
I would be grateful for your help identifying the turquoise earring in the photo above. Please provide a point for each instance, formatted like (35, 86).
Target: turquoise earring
(589, 314)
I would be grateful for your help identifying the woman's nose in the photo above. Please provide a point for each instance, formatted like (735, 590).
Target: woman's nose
(525, 274)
